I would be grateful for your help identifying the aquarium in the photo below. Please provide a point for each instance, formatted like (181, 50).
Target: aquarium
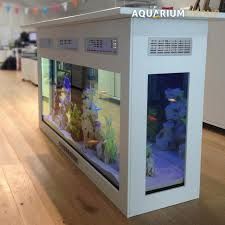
(82, 105)
(166, 131)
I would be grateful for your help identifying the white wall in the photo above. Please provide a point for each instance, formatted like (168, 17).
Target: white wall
(10, 26)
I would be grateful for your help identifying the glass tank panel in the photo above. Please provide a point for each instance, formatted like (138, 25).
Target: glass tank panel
(82, 105)
(166, 131)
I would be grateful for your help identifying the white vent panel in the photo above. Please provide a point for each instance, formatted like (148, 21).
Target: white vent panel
(169, 46)
(68, 43)
(102, 45)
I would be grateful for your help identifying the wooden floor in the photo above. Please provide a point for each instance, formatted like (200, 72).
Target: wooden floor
(39, 186)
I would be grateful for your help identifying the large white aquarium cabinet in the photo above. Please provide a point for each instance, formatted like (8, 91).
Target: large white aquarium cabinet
(123, 97)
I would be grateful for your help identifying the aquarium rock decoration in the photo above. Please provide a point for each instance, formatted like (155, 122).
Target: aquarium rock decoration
(65, 103)
(172, 136)
(56, 104)
(91, 127)
(150, 166)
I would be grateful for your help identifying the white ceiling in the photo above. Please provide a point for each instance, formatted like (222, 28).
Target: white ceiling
(34, 2)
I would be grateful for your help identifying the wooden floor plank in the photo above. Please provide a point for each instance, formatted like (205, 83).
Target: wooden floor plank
(30, 206)
(7, 154)
(9, 213)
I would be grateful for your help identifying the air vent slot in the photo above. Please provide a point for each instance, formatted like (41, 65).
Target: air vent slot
(46, 43)
(170, 46)
(102, 45)
(67, 44)
(68, 152)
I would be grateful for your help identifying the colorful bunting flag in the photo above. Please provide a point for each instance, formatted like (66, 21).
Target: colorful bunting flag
(65, 6)
(74, 3)
(35, 10)
(8, 8)
(45, 10)
(26, 11)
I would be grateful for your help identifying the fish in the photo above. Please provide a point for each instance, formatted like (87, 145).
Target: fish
(172, 100)
(93, 142)
(152, 118)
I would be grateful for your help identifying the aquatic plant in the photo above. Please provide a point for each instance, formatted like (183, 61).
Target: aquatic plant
(110, 146)
(74, 124)
(150, 165)
(56, 102)
(153, 124)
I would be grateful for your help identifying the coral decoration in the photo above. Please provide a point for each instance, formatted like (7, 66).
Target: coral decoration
(90, 123)
(62, 104)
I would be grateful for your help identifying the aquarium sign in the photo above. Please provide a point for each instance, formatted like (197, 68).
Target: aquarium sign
(157, 13)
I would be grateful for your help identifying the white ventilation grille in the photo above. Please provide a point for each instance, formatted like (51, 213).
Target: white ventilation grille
(170, 46)
(69, 43)
(102, 45)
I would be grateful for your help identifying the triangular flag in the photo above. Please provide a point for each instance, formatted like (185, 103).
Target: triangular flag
(65, 6)
(44, 10)
(26, 11)
(55, 7)
(35, 10)
(74, 3)
(8, 8)
(17, 9)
